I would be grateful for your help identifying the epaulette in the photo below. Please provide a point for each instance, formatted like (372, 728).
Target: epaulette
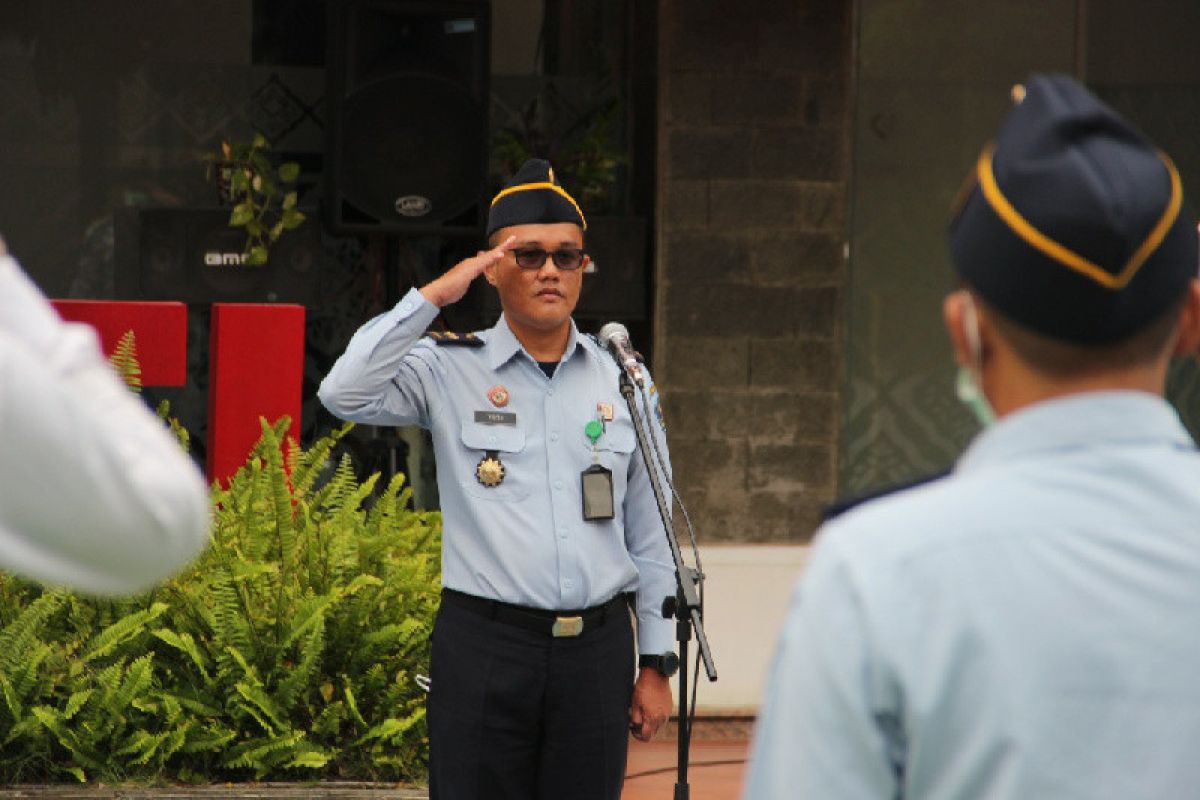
(841, 506)
(460, 339)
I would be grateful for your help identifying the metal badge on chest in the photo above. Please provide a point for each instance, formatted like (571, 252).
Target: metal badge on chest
(490, 470)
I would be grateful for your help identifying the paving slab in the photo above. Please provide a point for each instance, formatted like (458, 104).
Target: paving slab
(715, 770)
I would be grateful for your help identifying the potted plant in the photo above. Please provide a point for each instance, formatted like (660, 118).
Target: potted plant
(576, 136)
(262, 196)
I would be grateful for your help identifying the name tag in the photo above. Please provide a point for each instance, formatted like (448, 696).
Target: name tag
(495, 418)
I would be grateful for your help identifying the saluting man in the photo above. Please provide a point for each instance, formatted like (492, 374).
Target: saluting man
(551, 530)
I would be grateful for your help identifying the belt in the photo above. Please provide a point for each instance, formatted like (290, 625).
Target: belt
(539, 620)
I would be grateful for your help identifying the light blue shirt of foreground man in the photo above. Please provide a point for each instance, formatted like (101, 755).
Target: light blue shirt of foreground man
(1027, 626)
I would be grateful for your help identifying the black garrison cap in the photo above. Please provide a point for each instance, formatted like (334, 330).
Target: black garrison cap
(533, 196)
(1074, 224)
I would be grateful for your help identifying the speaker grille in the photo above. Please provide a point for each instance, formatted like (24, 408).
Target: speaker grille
(407, 141)
(406, 137)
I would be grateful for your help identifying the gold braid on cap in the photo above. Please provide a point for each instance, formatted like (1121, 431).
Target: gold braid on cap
(525, 187)
(1065, 256)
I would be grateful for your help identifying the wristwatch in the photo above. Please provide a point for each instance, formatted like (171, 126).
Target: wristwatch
(666, 664)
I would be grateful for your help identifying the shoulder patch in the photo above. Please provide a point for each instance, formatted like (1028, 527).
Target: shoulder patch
(450, 338)
(658, 412)
(842, 505)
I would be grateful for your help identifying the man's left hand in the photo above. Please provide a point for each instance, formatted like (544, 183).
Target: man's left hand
(651, 704)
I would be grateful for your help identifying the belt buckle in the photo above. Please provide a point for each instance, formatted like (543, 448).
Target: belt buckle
(566, 627)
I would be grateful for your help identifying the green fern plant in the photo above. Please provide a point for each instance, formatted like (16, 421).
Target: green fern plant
(288, 650)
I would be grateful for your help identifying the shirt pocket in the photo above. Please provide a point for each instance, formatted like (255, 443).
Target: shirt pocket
(618, 438)
(508, 442)
(614, 450)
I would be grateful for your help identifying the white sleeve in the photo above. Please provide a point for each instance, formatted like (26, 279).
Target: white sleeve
(830, 721)
(95, 493)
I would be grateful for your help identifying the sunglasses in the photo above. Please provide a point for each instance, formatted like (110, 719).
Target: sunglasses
(567, 258)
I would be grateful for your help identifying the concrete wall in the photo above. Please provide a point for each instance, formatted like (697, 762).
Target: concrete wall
(767, 337)
(750, 278)
(746, 597)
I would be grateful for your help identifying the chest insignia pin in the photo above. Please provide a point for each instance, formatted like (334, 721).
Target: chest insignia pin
(498, 395)
(490, 470)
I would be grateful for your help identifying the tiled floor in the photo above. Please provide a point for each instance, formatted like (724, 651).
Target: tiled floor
(714, 770)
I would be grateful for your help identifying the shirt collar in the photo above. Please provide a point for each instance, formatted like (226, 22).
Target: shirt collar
(1076, 422)
(503, 344)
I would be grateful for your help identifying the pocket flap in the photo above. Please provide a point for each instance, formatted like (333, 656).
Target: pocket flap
(617, 439)
(504, 438)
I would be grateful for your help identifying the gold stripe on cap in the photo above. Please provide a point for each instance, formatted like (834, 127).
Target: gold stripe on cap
(1065, 256)
(524, 187)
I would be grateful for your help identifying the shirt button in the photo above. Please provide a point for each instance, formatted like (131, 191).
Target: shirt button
(562, 533)
(558, 485)
(550, 392)
(554, 436)
(567, 583)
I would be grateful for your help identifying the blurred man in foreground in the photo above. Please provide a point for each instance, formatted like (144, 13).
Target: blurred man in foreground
(1024, 627)
(95, 493)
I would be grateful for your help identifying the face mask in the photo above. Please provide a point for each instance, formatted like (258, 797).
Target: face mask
(967, 384)
(972, 397)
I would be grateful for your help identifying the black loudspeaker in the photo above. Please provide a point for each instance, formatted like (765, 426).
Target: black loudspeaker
(192, 255)
(407, 146)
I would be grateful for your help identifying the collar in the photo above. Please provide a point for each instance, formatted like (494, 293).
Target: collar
(1077, 422)
(503, 344)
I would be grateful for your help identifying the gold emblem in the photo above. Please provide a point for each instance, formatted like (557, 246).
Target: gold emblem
(490, 471)
(498, 395)
(550, 174)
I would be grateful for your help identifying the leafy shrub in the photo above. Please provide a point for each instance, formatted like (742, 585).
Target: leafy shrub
(288, 650)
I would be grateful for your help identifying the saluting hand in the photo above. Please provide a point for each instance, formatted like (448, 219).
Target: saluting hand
(451, 286)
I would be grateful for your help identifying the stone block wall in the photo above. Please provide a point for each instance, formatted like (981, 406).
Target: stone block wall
(754, 137)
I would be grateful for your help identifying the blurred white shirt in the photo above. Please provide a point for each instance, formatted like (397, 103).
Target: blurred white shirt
(95, 493)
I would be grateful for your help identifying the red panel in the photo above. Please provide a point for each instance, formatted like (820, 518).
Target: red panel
(256, 369)
(159, 331)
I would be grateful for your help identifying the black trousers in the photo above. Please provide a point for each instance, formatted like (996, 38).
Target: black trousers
(520, 715)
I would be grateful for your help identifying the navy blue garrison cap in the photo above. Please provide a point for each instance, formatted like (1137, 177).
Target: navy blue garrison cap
(533, 196)
(1074, 225)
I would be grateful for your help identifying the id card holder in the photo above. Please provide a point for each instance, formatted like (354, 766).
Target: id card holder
(597, 485)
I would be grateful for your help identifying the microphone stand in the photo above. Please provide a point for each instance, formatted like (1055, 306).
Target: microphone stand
(684, 606)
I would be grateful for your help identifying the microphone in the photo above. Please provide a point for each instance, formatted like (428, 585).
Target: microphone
(615, 337)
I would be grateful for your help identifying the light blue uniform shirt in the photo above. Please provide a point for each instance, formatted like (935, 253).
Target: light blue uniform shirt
(524, 541)
(1028, 627)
